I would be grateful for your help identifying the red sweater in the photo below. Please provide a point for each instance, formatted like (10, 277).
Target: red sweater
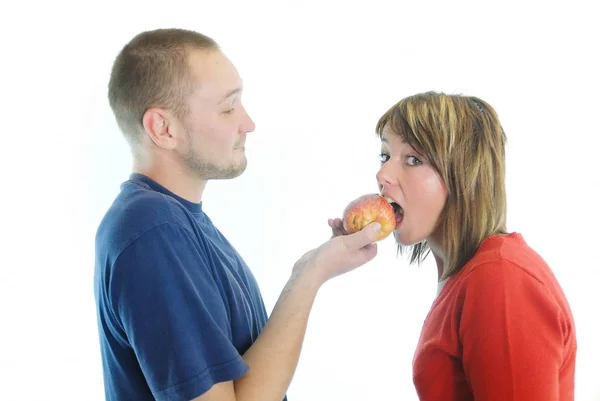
(500, 330)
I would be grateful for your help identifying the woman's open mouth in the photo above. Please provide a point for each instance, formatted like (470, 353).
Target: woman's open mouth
(398, 211)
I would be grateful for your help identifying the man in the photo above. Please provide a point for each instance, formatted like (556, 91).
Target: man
(180, 315)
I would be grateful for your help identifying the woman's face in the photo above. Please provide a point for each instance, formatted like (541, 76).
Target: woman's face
(407, 179)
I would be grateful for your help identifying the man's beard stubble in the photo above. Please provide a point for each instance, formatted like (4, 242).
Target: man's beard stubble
(210, 171)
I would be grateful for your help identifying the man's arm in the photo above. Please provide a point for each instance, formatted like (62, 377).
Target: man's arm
(274, 356)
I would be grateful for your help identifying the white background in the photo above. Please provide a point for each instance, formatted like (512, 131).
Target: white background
(317, 77)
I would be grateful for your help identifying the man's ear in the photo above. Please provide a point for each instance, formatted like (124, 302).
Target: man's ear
(157, 127)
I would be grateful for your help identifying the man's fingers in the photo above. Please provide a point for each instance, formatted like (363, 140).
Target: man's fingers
(337, 227)
(363, 237)
(340, 225)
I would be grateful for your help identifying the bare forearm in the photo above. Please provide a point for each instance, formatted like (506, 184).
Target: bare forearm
(274, 356)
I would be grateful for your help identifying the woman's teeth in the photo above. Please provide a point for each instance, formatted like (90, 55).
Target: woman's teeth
(397, 207)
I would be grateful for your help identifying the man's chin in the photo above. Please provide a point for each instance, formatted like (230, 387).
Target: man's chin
(229, 173)
(239, 170)
(236, 173)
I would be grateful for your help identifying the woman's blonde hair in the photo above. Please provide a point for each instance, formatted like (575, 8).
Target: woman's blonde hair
(462, 138)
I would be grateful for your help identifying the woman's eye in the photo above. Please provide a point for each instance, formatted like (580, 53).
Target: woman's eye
(383, 158)
(228, 111)
(413, 161)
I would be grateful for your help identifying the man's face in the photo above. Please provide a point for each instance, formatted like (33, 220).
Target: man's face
(216, 123)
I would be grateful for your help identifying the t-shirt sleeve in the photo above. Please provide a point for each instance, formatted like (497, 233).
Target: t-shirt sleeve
(511, 329)
(173, 314)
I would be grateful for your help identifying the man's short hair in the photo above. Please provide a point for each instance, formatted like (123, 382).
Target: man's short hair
(152, 71)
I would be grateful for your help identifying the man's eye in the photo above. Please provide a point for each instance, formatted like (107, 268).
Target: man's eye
(228, 111)
(383, 158)
(413, 161)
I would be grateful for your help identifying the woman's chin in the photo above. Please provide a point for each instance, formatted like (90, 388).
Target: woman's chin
(400, 239)
(403, 239)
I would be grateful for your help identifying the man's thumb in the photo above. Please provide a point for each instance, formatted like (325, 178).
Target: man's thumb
(363, 237)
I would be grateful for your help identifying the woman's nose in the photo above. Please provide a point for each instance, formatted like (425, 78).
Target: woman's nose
(384, 177)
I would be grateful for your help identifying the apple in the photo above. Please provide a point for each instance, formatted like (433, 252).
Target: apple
(366, 209)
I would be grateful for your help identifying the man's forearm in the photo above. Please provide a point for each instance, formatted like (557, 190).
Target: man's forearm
(274, 355)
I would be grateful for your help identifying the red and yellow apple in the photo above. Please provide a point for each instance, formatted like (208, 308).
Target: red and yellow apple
(366, 209)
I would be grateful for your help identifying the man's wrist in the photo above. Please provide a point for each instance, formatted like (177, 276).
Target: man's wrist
(307, 276)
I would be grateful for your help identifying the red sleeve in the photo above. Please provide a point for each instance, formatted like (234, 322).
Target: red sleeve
(510, 330)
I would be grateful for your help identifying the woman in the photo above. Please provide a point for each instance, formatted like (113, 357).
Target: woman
(500, 327)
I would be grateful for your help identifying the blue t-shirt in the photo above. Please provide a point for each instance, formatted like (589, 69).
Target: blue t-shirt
(177, 306)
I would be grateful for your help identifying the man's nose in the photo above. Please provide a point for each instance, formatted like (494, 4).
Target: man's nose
(247, 124)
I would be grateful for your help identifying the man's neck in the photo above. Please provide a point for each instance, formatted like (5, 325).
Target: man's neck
(174, 179)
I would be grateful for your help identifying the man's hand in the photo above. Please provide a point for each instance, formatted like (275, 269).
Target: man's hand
(337, 227)
(274, 355)
(341, 254)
